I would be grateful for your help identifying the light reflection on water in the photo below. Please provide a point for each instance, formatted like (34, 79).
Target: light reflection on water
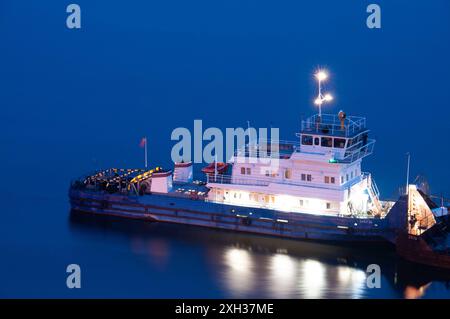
(248, 266)
(284, 276)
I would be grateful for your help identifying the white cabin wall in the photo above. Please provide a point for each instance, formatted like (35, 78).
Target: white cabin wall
(161, 184)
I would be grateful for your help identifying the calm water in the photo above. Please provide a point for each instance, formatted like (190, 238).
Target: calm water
(122, 258)
(76, 100)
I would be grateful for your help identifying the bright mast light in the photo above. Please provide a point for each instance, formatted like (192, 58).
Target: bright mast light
(322, 75)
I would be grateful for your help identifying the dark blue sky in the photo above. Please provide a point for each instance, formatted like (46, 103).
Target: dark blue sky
(74, 100)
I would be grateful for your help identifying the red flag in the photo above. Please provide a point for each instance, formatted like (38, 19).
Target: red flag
(143, 142)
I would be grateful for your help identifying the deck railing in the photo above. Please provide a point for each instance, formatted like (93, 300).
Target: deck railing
(330, 124)
(357, 151)
(253, 181)
(267, 148)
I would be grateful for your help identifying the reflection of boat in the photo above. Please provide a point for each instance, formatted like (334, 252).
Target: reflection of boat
(342, 262)
(423, 238)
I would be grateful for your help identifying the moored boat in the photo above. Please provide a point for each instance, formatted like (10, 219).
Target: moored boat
(423, 231)
(312, 188)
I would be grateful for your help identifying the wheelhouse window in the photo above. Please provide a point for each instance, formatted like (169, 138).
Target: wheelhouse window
(339, 142)
(307, 140)
(327, 142)
(350, 142)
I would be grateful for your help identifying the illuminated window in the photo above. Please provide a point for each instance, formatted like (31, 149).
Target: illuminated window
(287, 173)
(307, 140)
(242, 170)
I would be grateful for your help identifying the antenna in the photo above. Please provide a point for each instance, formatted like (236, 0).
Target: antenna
(407, 172)
(215, 167)
(321, 75)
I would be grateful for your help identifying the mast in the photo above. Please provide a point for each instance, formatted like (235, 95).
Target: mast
(145, 152)
(407, 173)
(215, 167)
(321, 75)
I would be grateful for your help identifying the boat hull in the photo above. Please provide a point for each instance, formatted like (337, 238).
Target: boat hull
(415, 249)
(182, 210)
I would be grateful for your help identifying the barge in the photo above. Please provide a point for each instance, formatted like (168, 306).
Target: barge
(311, 188)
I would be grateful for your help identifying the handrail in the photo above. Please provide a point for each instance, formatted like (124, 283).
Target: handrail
(330, 122)
(252, 181)
(358, 151)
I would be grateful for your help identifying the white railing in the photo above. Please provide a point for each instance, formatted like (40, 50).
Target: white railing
(357, 151)
(331, 125)
(266, 148)
(253, 181)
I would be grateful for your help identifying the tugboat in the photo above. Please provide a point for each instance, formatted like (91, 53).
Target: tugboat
(423, 236)
(312, 188)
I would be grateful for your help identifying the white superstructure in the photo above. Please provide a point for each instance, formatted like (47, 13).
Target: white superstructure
(321, 174)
